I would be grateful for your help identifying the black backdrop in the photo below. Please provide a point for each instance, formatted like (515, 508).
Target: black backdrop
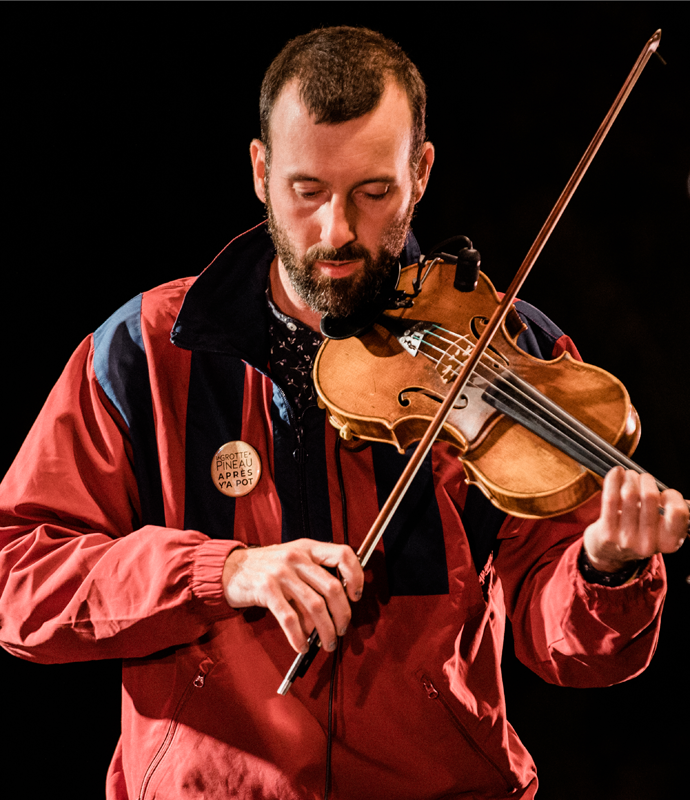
(126, 164)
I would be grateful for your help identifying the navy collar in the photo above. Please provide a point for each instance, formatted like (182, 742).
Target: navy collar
(225, 309)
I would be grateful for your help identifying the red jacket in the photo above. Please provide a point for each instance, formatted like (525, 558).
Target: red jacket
(114, 537)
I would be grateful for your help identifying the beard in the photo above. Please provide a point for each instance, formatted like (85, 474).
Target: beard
(340, 297)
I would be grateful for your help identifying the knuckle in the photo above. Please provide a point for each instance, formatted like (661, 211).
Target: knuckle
(286, 615)
(332, 587)
(291, 557)
(629, 492)
(314, 604)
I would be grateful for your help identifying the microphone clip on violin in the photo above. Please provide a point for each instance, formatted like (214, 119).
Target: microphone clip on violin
(467, 263)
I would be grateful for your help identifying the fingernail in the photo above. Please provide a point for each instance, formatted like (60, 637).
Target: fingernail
(342, 631)
(332, 646)
(358, 594)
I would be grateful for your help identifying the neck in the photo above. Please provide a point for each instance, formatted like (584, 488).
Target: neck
(288, 301)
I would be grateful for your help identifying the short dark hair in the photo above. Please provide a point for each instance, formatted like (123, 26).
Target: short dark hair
(342, 73)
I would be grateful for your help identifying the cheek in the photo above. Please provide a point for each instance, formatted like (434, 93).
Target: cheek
(297, 224)
(377, 226)
(304, 233)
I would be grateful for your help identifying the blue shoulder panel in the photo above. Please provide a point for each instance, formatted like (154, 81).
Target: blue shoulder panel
(121, 369)
(541, 335)
(118, 351)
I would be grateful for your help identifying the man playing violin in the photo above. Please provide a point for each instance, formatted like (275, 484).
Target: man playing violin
(183, 504)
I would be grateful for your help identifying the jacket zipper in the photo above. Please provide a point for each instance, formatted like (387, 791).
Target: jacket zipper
(198, 682)
(433, 694)
(300, 456)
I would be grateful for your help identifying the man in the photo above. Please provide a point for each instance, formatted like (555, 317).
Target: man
(182, 505)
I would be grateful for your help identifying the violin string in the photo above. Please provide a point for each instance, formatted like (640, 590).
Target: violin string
(533, 405)
(545, 415)
(534, 416)
(600, 455)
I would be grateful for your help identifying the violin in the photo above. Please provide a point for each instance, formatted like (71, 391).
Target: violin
(537, 437)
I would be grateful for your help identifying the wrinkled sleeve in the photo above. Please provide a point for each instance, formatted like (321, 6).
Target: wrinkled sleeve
(568, 631)
(79, 579)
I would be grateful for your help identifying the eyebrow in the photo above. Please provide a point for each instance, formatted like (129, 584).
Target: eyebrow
(303, 177)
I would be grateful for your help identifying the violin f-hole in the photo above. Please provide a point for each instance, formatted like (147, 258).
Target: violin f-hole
(474, 328)
(460, 403)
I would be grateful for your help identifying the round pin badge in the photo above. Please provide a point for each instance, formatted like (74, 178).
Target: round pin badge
(236, 469)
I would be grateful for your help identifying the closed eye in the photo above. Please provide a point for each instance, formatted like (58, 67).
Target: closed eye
(374, 191)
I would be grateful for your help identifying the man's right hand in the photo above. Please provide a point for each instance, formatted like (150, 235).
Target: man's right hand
(291, 582)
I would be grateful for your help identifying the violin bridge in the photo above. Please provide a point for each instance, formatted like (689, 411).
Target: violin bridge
(448, 373)
(452, 359)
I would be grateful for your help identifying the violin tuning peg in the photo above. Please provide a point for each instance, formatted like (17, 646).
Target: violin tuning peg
(320, 403)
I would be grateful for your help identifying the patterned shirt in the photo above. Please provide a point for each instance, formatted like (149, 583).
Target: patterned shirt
(293, 349)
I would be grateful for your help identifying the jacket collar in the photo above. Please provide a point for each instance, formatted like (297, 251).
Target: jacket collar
(225, 309)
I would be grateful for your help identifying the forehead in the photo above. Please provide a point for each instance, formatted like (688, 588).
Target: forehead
(380, 138)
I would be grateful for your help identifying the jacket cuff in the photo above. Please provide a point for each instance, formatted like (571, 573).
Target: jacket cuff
(207, 572)
(646, 588)
(612, 579)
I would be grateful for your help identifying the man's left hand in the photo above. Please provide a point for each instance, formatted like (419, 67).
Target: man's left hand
(636, 521)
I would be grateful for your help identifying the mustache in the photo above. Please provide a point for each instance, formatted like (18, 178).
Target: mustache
(352, 251)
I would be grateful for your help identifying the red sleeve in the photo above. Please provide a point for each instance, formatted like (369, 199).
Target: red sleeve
(568, 631)
(77, 580)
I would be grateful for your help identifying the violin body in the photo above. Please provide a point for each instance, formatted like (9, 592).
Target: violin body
(377, 390)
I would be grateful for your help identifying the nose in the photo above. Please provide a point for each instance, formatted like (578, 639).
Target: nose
(337, 224)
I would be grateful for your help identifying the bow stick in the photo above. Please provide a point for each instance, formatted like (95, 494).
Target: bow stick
(303, 660)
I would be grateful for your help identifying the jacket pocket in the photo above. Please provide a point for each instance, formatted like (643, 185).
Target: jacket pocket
(441, 702)
(195, 684)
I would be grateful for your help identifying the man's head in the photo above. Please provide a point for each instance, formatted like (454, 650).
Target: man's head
(342, 163)
(342, 73)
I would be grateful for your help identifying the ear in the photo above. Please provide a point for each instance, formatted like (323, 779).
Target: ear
(424, 169)
(257, 152)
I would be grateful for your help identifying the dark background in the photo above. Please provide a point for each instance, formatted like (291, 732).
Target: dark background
(126, 164)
